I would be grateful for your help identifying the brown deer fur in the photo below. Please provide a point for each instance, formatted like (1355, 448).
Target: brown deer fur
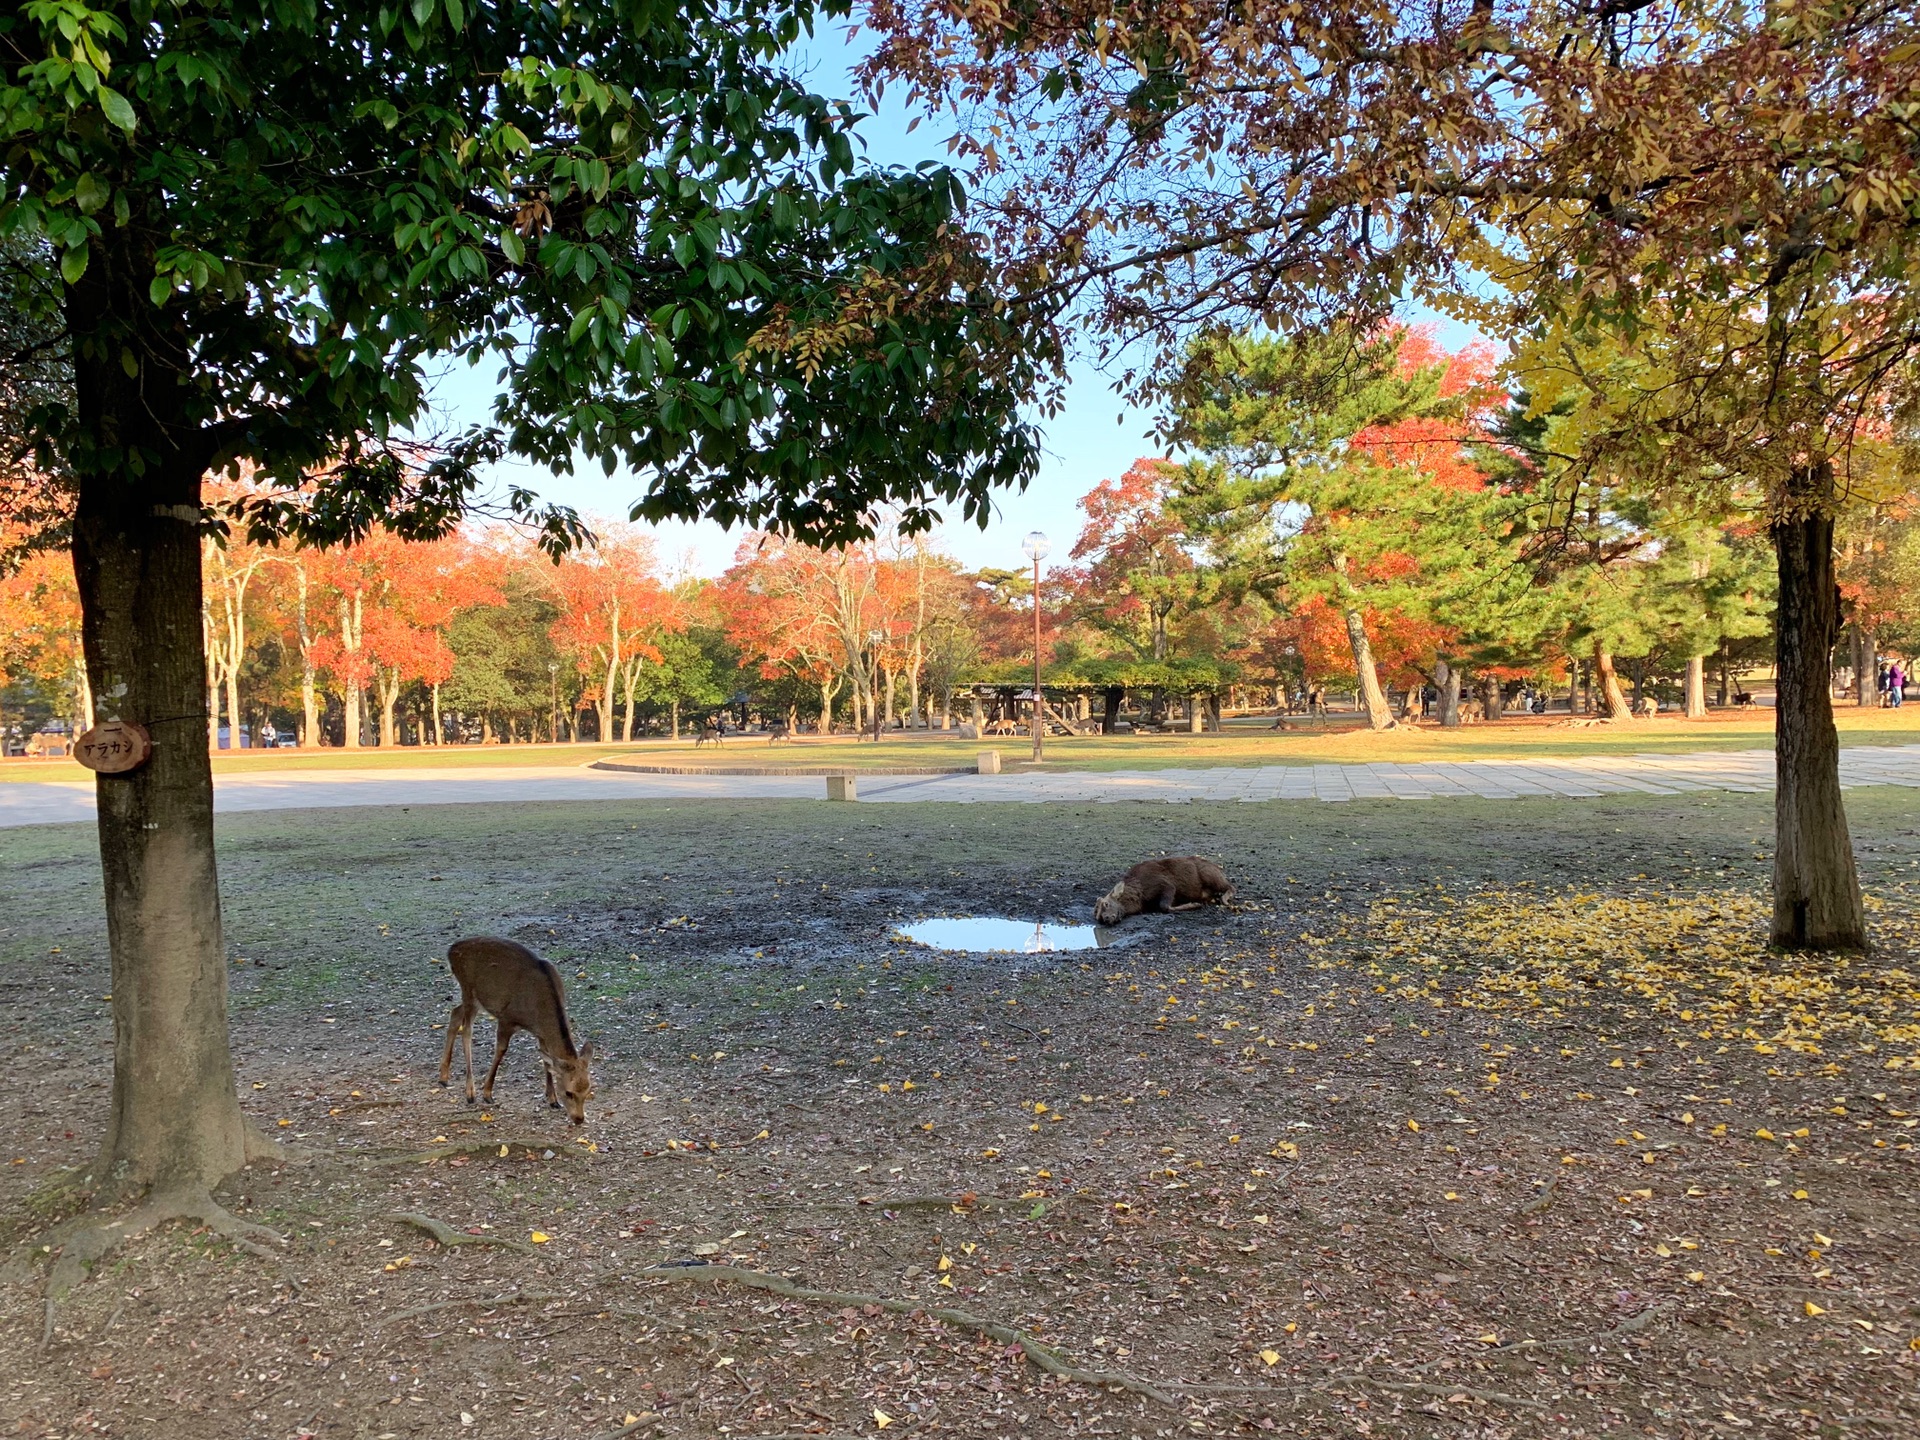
(1185, 882)
(522, 992)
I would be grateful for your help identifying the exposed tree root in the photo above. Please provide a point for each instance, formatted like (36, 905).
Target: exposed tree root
(483, 1302)
(1043, 1357)
(1572, 1342)
(560, 1149)
(1038, 1355)
(83, 1245)
(445, 1235)
(1542, 1200)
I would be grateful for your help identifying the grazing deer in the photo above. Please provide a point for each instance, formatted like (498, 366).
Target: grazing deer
(522, 992)
(1183, 883)
(777, 733)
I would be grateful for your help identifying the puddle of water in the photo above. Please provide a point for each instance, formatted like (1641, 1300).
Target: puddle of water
(980, 933)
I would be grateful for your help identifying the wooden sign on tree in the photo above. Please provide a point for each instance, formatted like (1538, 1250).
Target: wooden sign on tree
(115, 747)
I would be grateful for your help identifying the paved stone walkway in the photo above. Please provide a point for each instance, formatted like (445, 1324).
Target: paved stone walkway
(57, 802)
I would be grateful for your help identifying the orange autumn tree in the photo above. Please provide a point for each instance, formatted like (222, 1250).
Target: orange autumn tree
(613, 611)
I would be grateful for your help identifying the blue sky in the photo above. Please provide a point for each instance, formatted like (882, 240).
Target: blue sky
(1095, 437)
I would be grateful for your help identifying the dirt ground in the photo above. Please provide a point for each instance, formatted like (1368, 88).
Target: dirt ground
(1472, 1119)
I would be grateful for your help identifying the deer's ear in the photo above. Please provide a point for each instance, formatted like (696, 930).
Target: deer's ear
(586, 1051)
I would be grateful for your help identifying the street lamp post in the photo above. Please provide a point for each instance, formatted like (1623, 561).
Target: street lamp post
(553, 689)
(1036, 548)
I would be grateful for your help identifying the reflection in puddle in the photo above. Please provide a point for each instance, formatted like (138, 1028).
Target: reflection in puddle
(1023, 937)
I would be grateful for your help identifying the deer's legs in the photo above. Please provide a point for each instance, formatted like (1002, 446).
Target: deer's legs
(553, 1100)
(466, 1032)
(499, 1054)
(459, 1022)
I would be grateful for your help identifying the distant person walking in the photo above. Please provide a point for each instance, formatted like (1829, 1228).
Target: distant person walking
(1896, 684)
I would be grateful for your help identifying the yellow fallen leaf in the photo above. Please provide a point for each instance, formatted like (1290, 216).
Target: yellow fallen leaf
(1449, 1196)
(1413, 1124)
(540, 1237)
(283, 1122)
(1696, 1276)
(1820, 1239)
(1763, 1133)
(503, 1151)
(882, 1419)
(1813, 1309)
(1272, 1357)
(1290, 1327)
(1799, 1194)
(947, 1280)
(1663, 1252)
(1490, 1338)
(946, 1262)
(630, 1419)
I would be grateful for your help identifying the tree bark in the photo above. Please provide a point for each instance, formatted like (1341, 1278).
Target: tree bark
(439, 731)
(175, 1120)
(1696, 687)
(1610, 692)
(1816, 889)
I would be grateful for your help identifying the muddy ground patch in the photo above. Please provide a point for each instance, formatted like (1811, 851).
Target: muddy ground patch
(1475, 1118)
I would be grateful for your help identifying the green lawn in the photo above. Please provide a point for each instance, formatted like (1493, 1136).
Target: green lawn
(1248, 743)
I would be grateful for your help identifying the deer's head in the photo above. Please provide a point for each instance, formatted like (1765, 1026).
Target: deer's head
(1110, 909)
(572, 1082)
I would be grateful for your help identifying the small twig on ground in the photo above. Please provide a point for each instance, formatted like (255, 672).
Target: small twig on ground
(1040, 1356)
(1439, 1251)
(483, 1302)
(1628, 1326)
(1429, 1387)
(448, 1237)
(639, 1422)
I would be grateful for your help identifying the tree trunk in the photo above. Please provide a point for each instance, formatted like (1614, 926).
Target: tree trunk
(439, 731)
(1373, 699)
(388, 689)
(1725, 694)
(1816, 889)
(1696, 687)
(674, 706)
(1639, 684)
(1492, 701)
(175, 1121)
(1573, 687)
(1611, 694)
(1866, 667)
(1447, 682)
(234, 729)
(309, 682)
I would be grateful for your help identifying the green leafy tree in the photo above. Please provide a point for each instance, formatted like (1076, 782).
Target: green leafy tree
(250, 224)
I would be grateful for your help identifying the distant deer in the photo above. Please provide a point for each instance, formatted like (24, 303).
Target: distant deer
(522, 992)
(777, 733)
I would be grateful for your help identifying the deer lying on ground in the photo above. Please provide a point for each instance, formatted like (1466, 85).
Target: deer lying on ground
(522, 992)
(1184, 882)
